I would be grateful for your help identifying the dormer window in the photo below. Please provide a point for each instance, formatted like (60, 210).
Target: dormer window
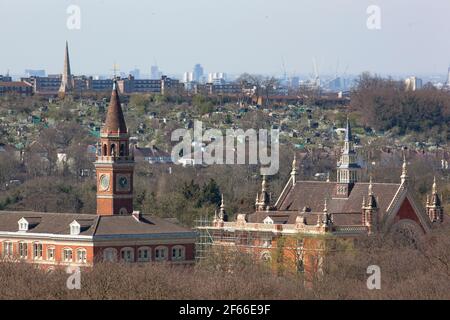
(23, 225)
(74, 228)
(268, 220)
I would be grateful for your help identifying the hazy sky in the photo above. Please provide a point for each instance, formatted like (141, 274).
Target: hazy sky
(231, 36)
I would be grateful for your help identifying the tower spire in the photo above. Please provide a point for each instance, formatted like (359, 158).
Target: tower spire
(66, 78)
(347, 167)
(115, 121)
(115, 163)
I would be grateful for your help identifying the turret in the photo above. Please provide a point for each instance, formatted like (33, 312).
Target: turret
(434, 207)
(369, 210)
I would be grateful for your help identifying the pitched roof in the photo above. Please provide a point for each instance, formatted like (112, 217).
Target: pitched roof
(115, 121)
(312, 194)
(92, 225)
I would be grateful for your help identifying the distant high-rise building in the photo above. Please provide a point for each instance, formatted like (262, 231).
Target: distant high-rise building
(155, 73)
(34, 73)
(136, 73)
(413, 83)
(217, 77)
(197, 73)
(66, 79)
(188, 77)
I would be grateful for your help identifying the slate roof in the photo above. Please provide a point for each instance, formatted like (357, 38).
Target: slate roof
(91, 224)
(312, 194)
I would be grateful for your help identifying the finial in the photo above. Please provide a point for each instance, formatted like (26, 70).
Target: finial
(294, 162)
(264, 183)
(370, 186)
(434, 188)
(404, 175)
(325, 210)
(222, 205)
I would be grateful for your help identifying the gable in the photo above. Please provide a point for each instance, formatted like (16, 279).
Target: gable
(406, 211)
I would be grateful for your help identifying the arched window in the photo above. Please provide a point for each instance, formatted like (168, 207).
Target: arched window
(37, 250)
(7, 249)
(113, 150)
(161, 253)
(127, 255)
(105, 150)
(178, 253)
(122, 150)
(67, 255)
(144, 254)
(51, 253)
(110, 255)
(81, 256)
(23, 250)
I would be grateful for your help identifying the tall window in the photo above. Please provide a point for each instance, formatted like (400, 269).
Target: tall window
(144, 254)
(37, 250)
(67, 255)
(161, 253)
(127, 254)
(110, 255)
(178, 253)
(81, 256)
(23, 250)
(51, 254)
(7, 249)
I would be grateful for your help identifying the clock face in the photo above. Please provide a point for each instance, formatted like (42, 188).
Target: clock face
(104, 182)
(123, 182)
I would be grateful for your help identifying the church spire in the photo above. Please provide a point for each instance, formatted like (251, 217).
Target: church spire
(66, 78)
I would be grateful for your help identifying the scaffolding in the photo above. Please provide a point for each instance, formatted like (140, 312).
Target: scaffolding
(209, 235)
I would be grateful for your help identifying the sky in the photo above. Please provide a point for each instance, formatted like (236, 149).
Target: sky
(233, 36)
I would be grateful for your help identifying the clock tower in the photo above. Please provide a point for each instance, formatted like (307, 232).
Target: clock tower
(114, 164)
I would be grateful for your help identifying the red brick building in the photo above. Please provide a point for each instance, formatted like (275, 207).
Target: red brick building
(115, 233)
(309, 216)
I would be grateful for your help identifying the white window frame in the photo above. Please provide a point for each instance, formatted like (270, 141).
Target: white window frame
(180, 252)
(149, 254)
(161, 253)
(38, 251)
(127, 254)
(81, 255)
(8, 249)
(74, 228)
(67, 257)
(51, 257)
(110, 255)
(23, 225)
(23, 246)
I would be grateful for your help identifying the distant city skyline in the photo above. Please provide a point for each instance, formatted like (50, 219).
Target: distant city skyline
(254, 36)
